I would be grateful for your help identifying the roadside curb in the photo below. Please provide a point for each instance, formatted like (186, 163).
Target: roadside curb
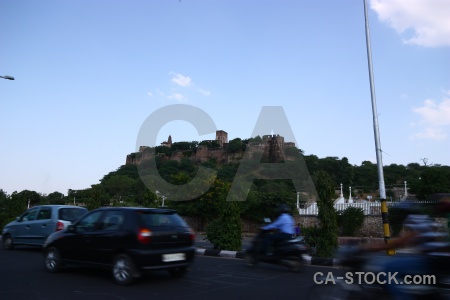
(318, 261)
(314, 261)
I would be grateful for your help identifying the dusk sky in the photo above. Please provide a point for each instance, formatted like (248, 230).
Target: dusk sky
(89, 73)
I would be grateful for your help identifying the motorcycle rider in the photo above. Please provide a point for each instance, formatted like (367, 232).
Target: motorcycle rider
(283, 228)
(419, 233)
(443, 209)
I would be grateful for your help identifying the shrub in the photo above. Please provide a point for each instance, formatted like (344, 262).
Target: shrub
(311, 235)
(225, 233)
(350, 220)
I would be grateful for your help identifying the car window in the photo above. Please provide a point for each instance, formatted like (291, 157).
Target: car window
(112, 220)
(162, 219)
(71, 213)
(30, 215)
(45, 213)
(89, 222)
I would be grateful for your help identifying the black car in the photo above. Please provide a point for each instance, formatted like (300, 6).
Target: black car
(128, 241)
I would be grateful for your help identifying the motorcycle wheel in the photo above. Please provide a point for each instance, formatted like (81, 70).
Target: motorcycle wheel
(251, 260)
(293, 263)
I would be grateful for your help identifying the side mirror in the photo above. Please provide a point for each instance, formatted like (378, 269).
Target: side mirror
(18, 219)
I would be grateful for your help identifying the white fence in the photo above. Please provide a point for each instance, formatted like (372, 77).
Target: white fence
(369, 208)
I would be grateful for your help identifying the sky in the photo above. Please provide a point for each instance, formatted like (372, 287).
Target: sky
(89, 73)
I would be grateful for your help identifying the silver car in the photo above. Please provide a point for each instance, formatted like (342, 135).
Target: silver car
(35, 224)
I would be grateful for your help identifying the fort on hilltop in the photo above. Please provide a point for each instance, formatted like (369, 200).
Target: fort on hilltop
(273, 147)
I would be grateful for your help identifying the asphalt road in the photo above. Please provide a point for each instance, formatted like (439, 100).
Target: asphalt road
(22, 276)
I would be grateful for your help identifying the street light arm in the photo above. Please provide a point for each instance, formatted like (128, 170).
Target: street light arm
(7, 77)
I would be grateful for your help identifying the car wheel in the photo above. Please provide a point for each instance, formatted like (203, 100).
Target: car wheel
(52, 260)
(178, 272)
(7, 242)
(123, 270)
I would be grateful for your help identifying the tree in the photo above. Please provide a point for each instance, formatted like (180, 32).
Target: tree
(327, 239)
(425, 161)
(148, 199)
(98, 198)
(366, 175)
(25, 198)
(5, 215)
(14, 205)
(55, 198)
(263, 204)
(235, 145)
(119, 185)
(182, 146)
(433, 180)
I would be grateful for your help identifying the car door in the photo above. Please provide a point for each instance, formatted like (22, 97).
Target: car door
(104, 241)
(25, 227)
(44, 225)
(76, 246)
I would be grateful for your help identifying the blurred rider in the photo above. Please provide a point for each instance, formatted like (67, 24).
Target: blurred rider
(419, 234)
(283, 228)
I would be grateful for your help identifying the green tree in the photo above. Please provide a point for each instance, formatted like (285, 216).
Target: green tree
(15, 204)
(366, 176)
(55, 198)
(119, 186)
(227, 172)
(98, 197)
(433, 179)
(265, 196)
(210, 144)
(148, 199)
(182, 146)
(312, 163)
(328, 231)
(236, 145)
(25, 198)
(5, 214)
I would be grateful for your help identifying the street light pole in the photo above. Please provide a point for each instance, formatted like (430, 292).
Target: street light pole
(382, 188)
(7, 77)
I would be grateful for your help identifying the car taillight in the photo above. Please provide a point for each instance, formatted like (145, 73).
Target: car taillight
(59, 226)
(192, 235)
(144, 235)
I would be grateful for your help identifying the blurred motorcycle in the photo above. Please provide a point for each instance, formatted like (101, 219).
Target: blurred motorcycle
(288, 252)
(356, 262)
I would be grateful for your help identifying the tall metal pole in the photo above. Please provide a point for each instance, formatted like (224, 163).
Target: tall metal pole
(384, 211)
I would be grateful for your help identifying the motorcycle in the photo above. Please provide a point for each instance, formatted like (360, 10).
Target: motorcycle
(288, 252)
(356, 262)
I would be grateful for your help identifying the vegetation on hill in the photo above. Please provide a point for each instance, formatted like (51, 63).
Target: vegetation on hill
(125, 187)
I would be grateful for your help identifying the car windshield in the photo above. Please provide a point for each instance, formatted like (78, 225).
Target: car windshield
(71, 214)
(153, 219)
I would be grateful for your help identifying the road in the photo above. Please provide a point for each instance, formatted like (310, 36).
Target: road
(22, 276)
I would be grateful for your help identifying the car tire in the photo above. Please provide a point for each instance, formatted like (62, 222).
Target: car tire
(52, 260)
(178, 272)
(123, 270)
(7, 242)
